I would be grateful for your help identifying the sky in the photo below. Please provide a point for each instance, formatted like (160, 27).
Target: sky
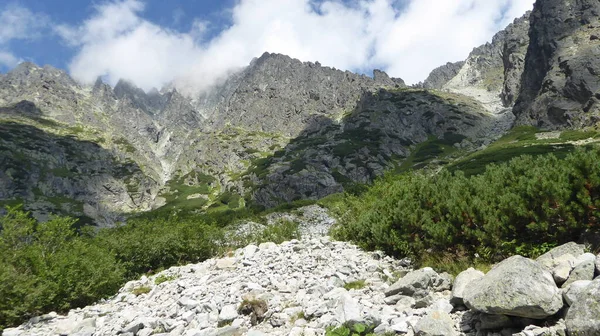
(197, 43)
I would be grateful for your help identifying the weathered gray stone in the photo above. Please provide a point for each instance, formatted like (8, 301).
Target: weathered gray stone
(461, 283)
(279, 319)
(517, 286)
(583, 316)
(12, 332)
(551, 259)
(419, 280)
(435, 324)
(583, 270)
(571, 293)
(228, 313)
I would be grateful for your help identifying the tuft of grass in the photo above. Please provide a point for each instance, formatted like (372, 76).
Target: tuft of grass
(141, 290)
(284, 230)
(575, 135)
(255, 308)
(358, 284)
(164, 278)
(452, 263)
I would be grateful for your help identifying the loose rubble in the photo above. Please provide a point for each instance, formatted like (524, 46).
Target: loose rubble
(303, 287)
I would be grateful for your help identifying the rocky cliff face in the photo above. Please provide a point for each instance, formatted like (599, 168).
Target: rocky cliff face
(492, 72)
(279, 94)
(560, 87)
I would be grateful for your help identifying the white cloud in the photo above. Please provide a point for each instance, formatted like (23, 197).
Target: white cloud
(118, 43)
(8, 60)
(18, 23)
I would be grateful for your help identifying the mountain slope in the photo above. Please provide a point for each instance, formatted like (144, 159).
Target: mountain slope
(561, 82)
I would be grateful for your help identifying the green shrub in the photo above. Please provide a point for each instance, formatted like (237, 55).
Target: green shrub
(164, 278)
(284, 230)
(141, 290)
(47, 266)
(146, 244)
(523, 207)
(351, 329)
(358, 284)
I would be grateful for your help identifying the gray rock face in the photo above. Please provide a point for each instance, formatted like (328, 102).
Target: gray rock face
(461, 284)
(518, 287)
(582, 318)
(560, 84)
(441, 75)
(514, 50)
(492, 71)
(277, 93)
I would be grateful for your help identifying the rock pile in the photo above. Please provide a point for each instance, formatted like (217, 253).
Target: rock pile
(303, 287)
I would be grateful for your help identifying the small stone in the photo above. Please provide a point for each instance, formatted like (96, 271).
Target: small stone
(435, 324)
(226, 263)
(228, 313)
(279, 319)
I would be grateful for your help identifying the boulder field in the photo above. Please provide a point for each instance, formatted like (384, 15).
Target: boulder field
(301, 287)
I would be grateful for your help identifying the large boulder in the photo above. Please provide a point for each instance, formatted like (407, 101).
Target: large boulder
(583, 318)
(561, 261)
(518, 287)
(461, 282)
(552, 258)
(419, 282)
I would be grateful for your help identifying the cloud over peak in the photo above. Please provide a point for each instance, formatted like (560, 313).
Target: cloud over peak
(407, 38)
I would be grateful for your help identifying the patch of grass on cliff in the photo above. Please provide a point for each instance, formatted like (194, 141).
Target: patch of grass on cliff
(125, 145)
(429, 150)
(189, 192)
(519, 141)
(575, 135)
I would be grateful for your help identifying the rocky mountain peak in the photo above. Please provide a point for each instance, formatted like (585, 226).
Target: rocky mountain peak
(561, 82)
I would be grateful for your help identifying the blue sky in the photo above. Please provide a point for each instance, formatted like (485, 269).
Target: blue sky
(195, 43)
(47, 48)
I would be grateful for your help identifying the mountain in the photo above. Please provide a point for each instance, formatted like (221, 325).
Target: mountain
(279, 129)
(560, 86)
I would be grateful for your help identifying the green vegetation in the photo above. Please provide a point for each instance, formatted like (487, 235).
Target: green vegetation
(48, 266)
(278, 233)
(525, 207)
(141, 290)
(189, 192)
(164, 278)
(351, 329)
(55, 267)
(358, 284)
(429, 150)
(125, 145)
(519, 141)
